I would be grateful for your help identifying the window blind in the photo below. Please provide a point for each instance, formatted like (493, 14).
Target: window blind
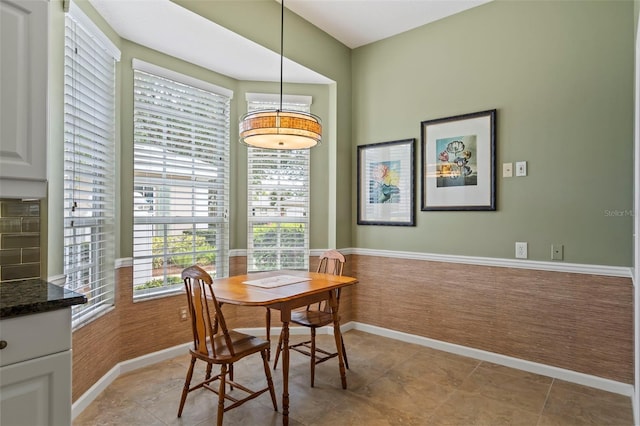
(181, 182)
(278, 202)
(89, 147)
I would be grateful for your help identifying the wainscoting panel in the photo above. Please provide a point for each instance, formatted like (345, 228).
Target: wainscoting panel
(132, 330)
(574, 321)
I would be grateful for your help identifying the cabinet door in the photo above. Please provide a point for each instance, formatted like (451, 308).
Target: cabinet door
(23, 90)
(36, 392)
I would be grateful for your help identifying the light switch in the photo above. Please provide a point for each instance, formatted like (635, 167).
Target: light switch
(507, 169)
(521, 168)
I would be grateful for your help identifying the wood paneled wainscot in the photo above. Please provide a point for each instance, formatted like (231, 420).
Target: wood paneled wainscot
(577, 322)
(131, 330)
(582, 323)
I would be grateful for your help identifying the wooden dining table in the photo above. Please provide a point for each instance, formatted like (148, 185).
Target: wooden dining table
(277, 290)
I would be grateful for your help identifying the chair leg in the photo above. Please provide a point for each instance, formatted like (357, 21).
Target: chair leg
(187, 382)
(230, 377)
(267, 373)
(268, 324)
(208, 373)
(221, 389)
(278, 350)
(313, 355)
(344, 353)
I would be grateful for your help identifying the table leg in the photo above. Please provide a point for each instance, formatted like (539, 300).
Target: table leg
(285, 372)
(337, 334)
(268, 331)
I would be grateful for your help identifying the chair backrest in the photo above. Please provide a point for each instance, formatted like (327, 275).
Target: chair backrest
(331, 262)
(200, 298)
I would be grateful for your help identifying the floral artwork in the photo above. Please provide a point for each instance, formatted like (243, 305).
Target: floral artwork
(386, 183)
(458, 159)
(456, 164)
(383, 186)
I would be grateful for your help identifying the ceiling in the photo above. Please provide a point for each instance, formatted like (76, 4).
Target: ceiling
(353, 22)
(359, 22)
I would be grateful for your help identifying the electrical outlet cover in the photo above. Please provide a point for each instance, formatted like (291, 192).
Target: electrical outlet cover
(557, 252)
(521, 168)
(507, 169)
(521, 250)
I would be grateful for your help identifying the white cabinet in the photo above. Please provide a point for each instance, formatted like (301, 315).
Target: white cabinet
(35, 371)
(23, 97)
(30, 393)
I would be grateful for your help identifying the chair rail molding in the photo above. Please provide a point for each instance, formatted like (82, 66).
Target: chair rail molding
(124, 262)
(574, 268)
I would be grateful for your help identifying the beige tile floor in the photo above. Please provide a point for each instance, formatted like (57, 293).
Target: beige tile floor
(389, 383)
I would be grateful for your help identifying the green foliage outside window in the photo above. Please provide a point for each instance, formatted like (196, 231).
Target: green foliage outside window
(291, 242)
(181, 250)
(159, 282)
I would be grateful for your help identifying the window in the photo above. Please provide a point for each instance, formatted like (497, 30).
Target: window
(181, 178)
(278, 199)
(89, 147)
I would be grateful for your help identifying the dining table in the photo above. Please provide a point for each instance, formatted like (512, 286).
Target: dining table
(286, 290)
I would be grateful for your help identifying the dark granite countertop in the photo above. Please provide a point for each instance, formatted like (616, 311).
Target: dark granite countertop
(35, 296)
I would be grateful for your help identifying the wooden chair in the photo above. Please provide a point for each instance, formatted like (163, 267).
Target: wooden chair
(316, 316)
(213, 343)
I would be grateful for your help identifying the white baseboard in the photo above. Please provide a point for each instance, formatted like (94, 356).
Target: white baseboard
(92, 393)
(145, 360)
(532, 367)
(124, 367)
(520, 364)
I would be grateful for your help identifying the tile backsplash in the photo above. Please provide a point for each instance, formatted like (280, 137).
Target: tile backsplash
(19, 239)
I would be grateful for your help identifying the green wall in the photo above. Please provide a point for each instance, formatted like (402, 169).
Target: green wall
(259, 21)
(560, 75)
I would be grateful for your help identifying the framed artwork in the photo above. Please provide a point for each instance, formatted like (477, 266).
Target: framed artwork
(459, 162)
(385, 183)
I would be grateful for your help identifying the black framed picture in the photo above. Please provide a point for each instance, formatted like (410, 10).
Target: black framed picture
(386, 183)
(459, 162)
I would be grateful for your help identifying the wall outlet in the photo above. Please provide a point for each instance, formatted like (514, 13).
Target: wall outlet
(521, 250)
(557, 251)
(183, 314)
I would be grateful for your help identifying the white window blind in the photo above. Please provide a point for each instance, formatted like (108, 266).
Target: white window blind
(181, 181)
(89, 147)
(278, 202)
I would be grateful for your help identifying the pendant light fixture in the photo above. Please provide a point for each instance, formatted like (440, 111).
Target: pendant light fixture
(280, 129)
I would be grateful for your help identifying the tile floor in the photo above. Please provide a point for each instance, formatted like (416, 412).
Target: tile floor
(389, 383)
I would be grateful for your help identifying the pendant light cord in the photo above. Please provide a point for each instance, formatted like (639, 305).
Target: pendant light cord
(281, 49)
